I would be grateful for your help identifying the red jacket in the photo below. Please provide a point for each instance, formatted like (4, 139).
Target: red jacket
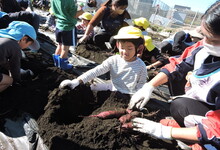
(208, 129)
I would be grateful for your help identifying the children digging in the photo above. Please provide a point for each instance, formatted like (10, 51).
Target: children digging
(128, 72)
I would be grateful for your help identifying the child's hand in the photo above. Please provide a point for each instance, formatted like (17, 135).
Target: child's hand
(141, 97)
(82, 39)
(153, 128)
(188, 84)
(71, 83)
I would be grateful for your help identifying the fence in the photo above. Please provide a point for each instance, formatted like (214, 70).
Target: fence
(157, 12)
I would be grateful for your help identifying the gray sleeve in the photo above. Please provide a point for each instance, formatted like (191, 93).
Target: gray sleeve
(142, 78)
(14, 65)
(97, 71)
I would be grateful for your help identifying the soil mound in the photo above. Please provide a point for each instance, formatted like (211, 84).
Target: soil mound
(62, 114)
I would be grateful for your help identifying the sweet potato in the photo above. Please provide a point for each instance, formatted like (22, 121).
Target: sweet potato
(110, 114)
(128, 125)
(126, 118)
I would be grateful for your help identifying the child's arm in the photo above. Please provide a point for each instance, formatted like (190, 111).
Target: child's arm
(97, 71)
(78, 13)
(154, 65)
(89, 75)
(142, 77)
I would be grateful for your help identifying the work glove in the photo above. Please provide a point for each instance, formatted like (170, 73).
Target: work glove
(26, 74)
(70, 83)
(153, 128)
(141, 97)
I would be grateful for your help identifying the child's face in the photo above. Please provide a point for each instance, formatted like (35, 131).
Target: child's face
(85, 22)
(23, 43)
(119, 10)
(210, 38)
(93, 3)
(127, 51)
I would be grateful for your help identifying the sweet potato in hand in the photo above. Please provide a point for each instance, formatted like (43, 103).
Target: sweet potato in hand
(126, 118)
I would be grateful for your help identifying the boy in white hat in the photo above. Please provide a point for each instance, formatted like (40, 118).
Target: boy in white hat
(128, 72)
(18, 35)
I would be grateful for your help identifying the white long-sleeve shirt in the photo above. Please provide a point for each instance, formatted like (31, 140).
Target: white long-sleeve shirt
(126, 77)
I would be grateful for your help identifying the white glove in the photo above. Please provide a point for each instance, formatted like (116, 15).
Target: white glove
(141, 97)
(71, 83)
(153, 128)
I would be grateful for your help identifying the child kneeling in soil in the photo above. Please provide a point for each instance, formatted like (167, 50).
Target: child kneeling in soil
(18, 35)
(81, 27)
(128, 72)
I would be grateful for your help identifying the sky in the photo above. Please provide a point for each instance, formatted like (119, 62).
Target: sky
(196, 5)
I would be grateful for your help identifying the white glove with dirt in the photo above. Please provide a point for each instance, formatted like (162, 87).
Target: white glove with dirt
(141, 97)
(153, 128)
(70, 83)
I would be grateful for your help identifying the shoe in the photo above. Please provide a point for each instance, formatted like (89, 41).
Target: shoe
(64, 64)
(169, 122)
(55, 59)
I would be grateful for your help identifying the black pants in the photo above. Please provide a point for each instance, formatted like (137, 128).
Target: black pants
(177, 87)
(29, 17)
(182, 107)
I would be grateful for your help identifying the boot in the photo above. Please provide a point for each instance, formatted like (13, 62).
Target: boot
(55, 59)
(64, 64)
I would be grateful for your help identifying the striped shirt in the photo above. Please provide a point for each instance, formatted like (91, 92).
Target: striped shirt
(126, 77)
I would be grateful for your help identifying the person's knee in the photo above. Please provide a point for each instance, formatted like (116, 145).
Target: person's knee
(5, 82)
(173, 105)
(177, 106)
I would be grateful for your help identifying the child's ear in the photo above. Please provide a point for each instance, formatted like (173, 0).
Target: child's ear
(117, 44)
(24, 38)
(140, 49)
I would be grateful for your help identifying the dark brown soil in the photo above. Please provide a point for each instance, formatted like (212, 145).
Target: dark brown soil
(61, 114)
(93, 53)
